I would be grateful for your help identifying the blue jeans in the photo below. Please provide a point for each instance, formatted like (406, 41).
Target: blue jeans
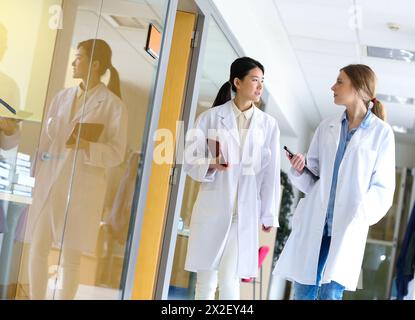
(327, 291)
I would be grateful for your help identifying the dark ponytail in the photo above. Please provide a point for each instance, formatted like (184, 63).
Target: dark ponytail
(114, 83)
(239, 69)
(223, 95)
(99, 50)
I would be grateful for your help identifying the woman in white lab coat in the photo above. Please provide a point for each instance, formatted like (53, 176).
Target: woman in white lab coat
(9, 138)
(239, 189)
(354, 155)
(71, 176)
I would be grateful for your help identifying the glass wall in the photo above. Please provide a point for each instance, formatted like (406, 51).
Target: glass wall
(27, 39)
(219, 55)
(380, 252)
(71, 153)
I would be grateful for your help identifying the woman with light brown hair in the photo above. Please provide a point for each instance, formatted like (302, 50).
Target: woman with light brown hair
(354, 157)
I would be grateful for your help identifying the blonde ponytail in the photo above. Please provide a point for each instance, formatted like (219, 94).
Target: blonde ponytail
(378, 109)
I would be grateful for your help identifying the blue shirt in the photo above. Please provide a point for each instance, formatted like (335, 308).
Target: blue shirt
(345, 137)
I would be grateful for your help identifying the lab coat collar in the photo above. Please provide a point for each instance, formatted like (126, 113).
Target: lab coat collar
(228, 120)
(95, 97)
(227, 115)
(81, 90)
(335, 129)
(365, 122)
(247, 113)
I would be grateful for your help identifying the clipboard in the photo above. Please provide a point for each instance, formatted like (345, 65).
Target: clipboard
(214, 148)
(89, 132)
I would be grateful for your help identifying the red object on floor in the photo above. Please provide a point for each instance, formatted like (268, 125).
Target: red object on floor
(262, 254)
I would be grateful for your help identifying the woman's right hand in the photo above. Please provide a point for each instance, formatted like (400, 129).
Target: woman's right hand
(9, 126)
(297, 162)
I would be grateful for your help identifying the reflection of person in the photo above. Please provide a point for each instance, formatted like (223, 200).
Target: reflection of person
(71, 179)
(354, 155)
(9, 128)
(9, 138)
(9, 90)
(234, 199)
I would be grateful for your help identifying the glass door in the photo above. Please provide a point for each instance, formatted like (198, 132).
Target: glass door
(94, 249)
(83, 93)
(28, 33)
(380, 253)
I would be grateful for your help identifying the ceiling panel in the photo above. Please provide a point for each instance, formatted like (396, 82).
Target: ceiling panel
(324, 46)
(324, 41)
(318, 59)
(311, 19)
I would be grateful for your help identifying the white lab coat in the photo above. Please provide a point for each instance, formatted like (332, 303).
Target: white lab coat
(365, 188)
(6, 143)
(54, 167)
(258, 178)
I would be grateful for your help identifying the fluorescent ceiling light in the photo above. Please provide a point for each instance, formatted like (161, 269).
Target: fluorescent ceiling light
(395, 99)
(125, 22)
(394, 54)
(400, 129)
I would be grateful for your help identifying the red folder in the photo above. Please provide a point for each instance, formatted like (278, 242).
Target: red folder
(214, 147)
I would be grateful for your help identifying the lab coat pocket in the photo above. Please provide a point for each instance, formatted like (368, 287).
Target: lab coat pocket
(266, 157)
(365, 164)
(258, 206)
(362, 214)
(367, 155)
(298, 214)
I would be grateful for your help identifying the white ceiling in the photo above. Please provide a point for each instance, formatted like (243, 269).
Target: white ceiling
(218, 57)
(127, 43)
(322, 35)
(146, 9)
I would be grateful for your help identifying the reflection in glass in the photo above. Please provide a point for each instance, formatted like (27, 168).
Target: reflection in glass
(25, 61)
(384, 229)
(77, 162)
(72, 240)
(375, 268)
(9, 90)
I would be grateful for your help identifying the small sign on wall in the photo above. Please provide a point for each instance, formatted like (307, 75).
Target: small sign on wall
(153, 44)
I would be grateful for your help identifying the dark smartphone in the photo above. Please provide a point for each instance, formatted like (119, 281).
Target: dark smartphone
(291, 154)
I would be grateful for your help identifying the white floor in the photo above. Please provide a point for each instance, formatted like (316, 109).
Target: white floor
(86, 292)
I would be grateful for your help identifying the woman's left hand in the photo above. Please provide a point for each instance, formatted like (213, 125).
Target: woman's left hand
(266, 229)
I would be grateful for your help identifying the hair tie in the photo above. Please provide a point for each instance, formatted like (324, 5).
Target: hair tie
(374, 100)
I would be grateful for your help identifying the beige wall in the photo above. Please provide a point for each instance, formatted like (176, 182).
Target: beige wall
(28, 59)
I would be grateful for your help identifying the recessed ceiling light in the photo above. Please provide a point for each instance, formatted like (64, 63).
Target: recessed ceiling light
(394, 54)
(393, 26)
(400, 129)
(125, 22)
